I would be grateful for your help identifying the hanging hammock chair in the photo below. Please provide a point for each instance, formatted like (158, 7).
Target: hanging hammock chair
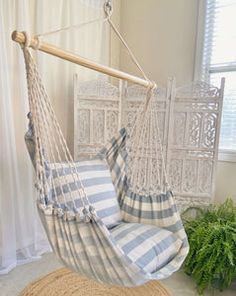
(112, 218)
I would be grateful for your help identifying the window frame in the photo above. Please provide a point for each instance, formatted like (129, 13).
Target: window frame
(223, 155)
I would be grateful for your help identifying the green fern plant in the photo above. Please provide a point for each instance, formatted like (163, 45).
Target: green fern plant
(212, 237)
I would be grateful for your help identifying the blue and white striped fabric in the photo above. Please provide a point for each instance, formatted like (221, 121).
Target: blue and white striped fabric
(150, 243)
(127, 254)
(160, 210)
(148, 246)
(96, 179)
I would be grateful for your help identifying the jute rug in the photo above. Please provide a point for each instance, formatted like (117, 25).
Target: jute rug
(64, 282)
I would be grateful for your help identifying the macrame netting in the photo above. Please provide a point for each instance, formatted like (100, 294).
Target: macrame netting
(50, 144)
(146, 170)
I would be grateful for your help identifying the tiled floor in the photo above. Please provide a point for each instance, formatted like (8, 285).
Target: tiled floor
(10, 285)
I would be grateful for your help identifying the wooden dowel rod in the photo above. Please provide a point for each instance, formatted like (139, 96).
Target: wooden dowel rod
(66, 55)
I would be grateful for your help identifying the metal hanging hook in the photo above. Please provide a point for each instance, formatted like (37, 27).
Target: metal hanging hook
(108, 8)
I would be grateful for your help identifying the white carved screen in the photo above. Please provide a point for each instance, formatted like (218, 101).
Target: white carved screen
(189, 122)
(134, 95)
(97, 116)
(193, 148)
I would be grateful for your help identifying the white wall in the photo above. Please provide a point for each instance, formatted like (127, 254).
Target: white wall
(162, 34)
(225, 181)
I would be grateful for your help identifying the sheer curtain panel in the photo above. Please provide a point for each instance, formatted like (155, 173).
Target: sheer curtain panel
(22, 238)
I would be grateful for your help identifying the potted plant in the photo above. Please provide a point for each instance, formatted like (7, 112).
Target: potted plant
(212, 237)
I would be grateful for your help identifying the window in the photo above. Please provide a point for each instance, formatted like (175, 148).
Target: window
(216, 58)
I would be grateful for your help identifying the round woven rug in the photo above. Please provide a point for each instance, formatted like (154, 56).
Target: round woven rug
(64, 282)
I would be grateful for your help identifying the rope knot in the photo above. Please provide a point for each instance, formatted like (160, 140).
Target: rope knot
(87, 215)
(34, 43)
(27, 39)
(151, 88)
(108, 9)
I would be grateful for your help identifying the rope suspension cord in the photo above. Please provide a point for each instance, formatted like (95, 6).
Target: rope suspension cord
(38, 44)
(108, 11)
(102, 20)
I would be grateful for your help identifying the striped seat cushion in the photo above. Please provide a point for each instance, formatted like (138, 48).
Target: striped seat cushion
(149, 246)
(96, 179)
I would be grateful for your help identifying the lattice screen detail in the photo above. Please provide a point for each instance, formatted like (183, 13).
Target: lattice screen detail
(97, 116)
(189, 126)
(193, 149)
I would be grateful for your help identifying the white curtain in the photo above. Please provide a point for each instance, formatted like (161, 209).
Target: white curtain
(22, 238)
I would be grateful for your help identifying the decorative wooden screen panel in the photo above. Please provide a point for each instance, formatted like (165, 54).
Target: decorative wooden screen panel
(189, 122)
(97, 112)
(193, 146)
(132, 97)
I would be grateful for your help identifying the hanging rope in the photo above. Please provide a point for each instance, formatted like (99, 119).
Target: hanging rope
(50, 145)
(79, 26)
(108, 11)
